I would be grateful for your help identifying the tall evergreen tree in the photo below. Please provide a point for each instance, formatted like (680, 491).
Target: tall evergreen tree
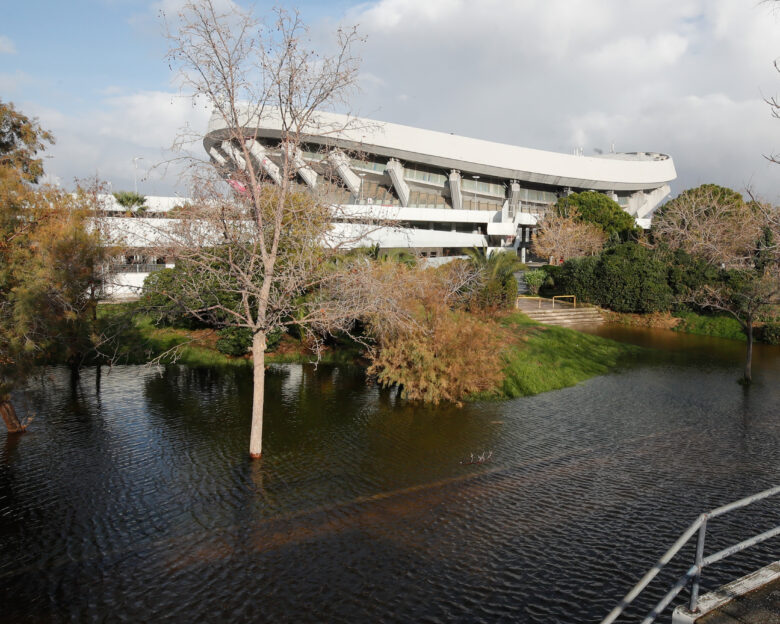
(48, 263)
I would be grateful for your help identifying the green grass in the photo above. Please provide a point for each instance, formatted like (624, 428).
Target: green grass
(717, 326)
(552, 357)
(140, 340)
(143, 341)
(541, 358)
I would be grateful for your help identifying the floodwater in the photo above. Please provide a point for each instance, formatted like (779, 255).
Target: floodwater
(132, 497)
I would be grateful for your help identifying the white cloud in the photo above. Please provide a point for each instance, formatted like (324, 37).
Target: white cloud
(658, 52)
(104, 140)
(6, 45)
(680, 76)
(10, 83)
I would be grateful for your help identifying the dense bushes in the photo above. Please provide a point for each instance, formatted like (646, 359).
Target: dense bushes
(686, 274)
(769, 333)
(166, 301)
(497, 286)
(599, 210)
(163, 299)
(234, 341)
(624, 278)
(534, 279)
(237, 341)
(577, 277)
(450, 355)
(631, 279)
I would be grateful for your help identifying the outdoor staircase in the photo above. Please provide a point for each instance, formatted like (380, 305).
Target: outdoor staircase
(562, 314)
(522, 287)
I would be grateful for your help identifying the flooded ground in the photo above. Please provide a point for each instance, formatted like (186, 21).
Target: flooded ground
(133, 499)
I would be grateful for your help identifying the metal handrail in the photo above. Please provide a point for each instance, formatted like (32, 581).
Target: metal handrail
(564, 297)
(694, 572)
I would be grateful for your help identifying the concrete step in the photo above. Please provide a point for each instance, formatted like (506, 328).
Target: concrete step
(561, 319)
(565, 316)
(542, 313)
(522, 287)
(570, 322)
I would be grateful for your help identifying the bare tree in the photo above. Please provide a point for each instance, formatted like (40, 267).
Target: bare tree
(711, 222)
(744, 295)
(565, 237)
(741, 238)
(258, 253)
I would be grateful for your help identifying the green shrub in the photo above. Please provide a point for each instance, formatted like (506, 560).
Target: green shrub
(535, 279)
(578, 277)
(686, 274)
(551, 285)
(162, 298)
(631, 279)
(553, 271)
(624, 278)
(237, 341)
(602, 211)
(167, 301)
(498, 287)
(130, 199)
(770, 333)
(234, 341)
(510, 291)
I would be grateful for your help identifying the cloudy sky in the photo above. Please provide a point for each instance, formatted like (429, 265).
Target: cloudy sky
(684, 77)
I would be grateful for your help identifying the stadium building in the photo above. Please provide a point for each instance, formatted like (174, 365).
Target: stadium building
(441, 192)
(445, 192)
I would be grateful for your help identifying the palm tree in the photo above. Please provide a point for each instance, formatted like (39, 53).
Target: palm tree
(495, 265)
(402, 256)
(499, 286)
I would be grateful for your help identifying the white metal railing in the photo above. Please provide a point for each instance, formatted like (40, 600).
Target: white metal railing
(701, 562)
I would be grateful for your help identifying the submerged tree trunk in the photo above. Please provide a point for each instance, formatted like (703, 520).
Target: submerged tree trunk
(258, 394)
(11, 420)
(748, 378)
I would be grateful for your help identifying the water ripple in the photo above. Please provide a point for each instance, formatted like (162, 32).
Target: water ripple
(137, 502)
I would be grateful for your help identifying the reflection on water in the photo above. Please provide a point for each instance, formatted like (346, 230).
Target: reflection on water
(138, 502)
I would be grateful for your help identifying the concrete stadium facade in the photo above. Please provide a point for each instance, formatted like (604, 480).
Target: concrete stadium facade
(445, 192)
(442, 192)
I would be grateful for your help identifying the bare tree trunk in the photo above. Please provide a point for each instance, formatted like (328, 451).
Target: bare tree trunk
(11, 420)
(258, 395)
(748, 378)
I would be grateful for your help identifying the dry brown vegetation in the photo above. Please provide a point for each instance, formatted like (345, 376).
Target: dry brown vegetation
(564, 237)
(425, 343)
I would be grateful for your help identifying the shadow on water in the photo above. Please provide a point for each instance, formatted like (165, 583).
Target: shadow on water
(133, 497)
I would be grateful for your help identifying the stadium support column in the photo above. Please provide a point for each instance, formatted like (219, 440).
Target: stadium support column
(307, 174)
(218, 158)
(234, 155)
(455, 193)
(267, 165)
(652, 200)
(514, 199)
(396, 172)
(341, 163)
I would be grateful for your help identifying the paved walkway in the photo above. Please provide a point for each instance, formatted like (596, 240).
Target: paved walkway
(761, 606)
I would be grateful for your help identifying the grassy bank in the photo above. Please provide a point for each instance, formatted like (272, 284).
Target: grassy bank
(684, 322)
(717, 326)
(538, 357)
(548, 357)
(140, 341)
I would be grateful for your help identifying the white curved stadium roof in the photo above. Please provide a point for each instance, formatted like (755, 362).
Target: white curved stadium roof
(615, 172)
